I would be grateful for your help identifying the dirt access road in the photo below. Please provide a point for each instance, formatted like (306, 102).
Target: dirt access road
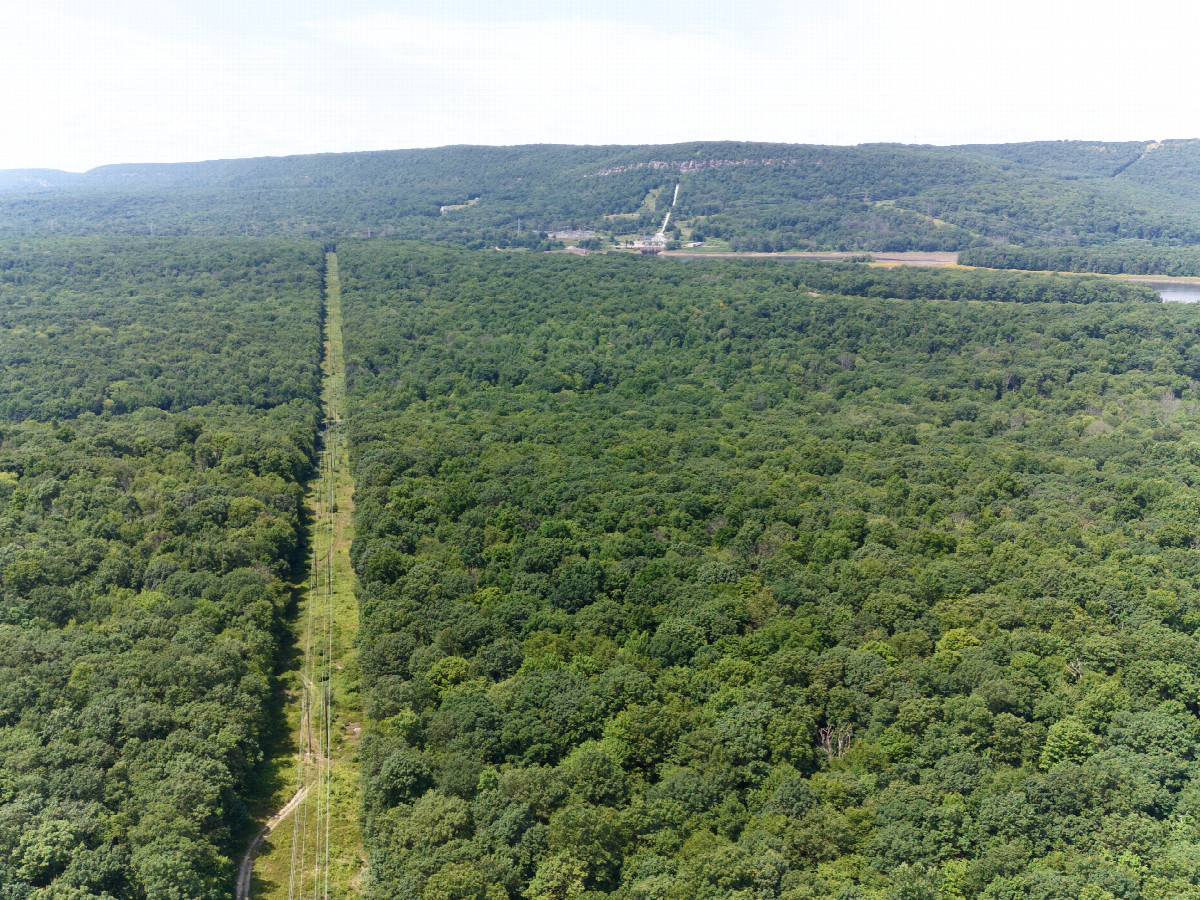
(908, 258)
(246, 866)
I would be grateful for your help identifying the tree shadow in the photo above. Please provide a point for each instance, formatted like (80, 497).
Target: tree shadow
(275, 772)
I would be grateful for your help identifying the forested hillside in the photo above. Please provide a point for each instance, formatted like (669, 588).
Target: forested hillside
(157, 422)
(742, 195)
(707, 578)
(680, 581)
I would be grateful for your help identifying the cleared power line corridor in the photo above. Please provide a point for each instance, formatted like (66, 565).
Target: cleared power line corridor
(311, 849)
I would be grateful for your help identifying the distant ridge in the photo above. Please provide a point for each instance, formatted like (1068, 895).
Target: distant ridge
(748, 196)
(36, 179)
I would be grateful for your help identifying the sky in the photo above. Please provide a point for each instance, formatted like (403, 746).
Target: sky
(87, 83)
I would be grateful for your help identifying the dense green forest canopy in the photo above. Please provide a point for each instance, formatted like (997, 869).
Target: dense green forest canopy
(1121, 258)
(157, 424)
(107, 324)
(752, 196)
(678, 578)
(915, 283)
(678, 581)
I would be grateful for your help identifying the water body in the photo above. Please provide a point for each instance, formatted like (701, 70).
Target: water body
(1177, 291)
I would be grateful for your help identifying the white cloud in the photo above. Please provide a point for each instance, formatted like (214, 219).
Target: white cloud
(83, 92)
(139, 81)
(577, 80)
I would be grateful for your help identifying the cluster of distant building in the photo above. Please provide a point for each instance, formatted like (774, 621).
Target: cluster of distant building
(646, 244)
(649, 245)
(572, 234)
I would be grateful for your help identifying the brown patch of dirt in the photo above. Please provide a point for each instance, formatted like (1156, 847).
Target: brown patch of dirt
(907, 258)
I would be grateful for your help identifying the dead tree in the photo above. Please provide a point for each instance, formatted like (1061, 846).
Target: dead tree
(835, 740)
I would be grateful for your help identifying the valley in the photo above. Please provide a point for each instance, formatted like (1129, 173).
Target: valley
(355, 545)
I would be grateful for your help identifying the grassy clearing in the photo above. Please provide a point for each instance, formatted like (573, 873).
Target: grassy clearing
(325, 630)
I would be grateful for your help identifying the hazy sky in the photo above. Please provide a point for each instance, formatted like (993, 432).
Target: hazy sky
(87, 83)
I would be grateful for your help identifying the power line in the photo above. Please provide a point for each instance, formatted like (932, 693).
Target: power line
(317, 670)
